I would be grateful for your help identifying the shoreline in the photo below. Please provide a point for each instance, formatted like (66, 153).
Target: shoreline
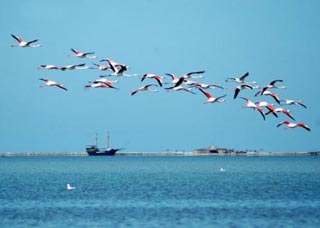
(176, 153)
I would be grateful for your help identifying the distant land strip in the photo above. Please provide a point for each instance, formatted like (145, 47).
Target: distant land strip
(174, 153)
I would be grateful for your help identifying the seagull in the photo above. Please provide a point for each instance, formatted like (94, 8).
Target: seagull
(49, 82)
(241, 87)
(69, 187)
(212, 99)
(24, 44)
(144, 88)
(80, 54)
(222, 169)
(294, 125)
(48, 67)
(239, 80)
(156, 77)
(285, 111)
(292, 102)
(252, 105)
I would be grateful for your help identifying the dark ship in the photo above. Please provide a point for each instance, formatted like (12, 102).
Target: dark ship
(93, 150)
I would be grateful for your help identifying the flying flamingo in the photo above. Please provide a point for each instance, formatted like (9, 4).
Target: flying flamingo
(144, 88)
(252, 105)
(184, 77)
(294, 125)
(241, 87)
(271, 85)
(80, 54)
(74, 67)
(292, 102)
(270, 107)
(49, 82)
(212, 99)
(179, 88)
(48, 67)
(203, 86)
(285, 111)
(106, 82)
(24, 44)
(268, 93)
(156, 77)
(96, 85)
(100, 67)
(239, 80)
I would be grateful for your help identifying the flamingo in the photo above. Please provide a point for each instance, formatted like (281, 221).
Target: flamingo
(252, 105)
(23, 43)
(74, 67)
(96, 85)
(272, 85)
(239, 80)
(203, 86)
(179, 88)
(294, 125)
(49, 82)
(292, 102)
(269, 93)
(174, 78)
(212, 99)
(156, 77)
(106, 82)
(48, 67)
(188, 75)
(270, 107)
(241, 87)
(144, 88)
(80, 54)
(285, 111)
(100, 67)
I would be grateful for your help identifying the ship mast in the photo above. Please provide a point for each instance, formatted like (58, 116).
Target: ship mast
(108, 139)
(96, 139)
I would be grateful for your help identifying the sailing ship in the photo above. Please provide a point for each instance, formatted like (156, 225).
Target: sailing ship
(93, 150)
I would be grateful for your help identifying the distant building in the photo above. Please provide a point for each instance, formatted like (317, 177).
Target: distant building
(212, 150)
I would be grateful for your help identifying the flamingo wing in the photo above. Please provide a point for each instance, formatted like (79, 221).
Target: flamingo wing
(208, 95)
(19, 39)
(244, 76)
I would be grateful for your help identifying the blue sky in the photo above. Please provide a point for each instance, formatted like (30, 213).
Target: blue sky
(269, 39)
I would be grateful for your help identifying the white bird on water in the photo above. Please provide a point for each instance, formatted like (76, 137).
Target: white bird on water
(222, 169)
(69, 187)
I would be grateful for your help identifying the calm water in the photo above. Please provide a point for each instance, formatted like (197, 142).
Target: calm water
(160, 192)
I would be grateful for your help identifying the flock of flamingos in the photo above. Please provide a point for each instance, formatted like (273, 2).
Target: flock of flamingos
(183, 83)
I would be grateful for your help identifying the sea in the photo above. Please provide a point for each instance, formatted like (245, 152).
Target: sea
(160, 191)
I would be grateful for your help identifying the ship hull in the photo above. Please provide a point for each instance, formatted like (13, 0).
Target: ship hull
(94, 151)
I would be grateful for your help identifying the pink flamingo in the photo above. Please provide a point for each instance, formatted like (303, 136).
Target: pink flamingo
(80, 54)
(212, 99)
(144, 88)
(23, 43)
(294, 125)
(49, 82)
(252, 105)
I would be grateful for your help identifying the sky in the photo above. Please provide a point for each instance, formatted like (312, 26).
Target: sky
(269, 39)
